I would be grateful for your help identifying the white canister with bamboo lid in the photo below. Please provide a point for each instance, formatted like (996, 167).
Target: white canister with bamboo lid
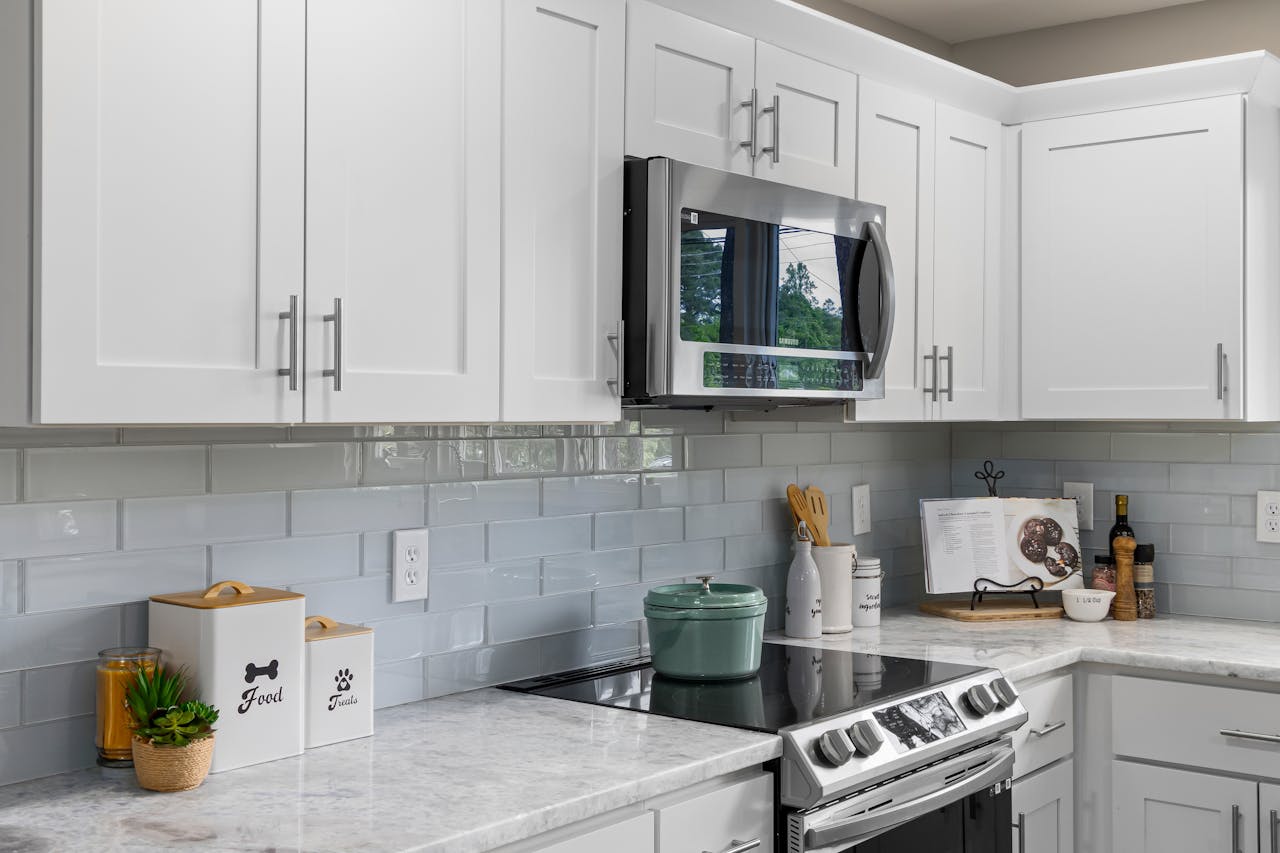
(242, 649)
(339, 681)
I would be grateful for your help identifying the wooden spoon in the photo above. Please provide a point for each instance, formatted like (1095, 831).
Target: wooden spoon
(800, 509)
(819, 514)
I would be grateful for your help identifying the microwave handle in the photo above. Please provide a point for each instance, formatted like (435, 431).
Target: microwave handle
(888, 300)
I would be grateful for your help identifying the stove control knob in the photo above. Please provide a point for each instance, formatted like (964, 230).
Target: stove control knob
(835, 747)
(866, 737)
(980, 699)
(1005, 694)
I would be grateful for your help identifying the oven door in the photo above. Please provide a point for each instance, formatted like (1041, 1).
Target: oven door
(765, 290)
(959, 805)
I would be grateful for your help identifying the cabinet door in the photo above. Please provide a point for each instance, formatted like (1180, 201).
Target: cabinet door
(169, 213)
(895, 169)
(1157, 810)
(403, 193)
(1132, 253)
(688, 89)
(1269, 817)
(562, 223)
(738, 812)
(634, 835)
(806, 121)
(966, 301)
(1044, 810)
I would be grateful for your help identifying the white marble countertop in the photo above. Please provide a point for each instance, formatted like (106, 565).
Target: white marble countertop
(479, 770)
(1025, 649)
(458, 774)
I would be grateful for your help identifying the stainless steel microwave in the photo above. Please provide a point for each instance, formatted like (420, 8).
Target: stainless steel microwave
(742, 292)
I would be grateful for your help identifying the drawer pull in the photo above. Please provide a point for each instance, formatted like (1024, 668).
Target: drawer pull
(1275, 832)
(1050, 728)
(737, 846)
(1249, 735)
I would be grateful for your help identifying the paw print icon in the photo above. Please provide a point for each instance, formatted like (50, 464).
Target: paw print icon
(343, 679)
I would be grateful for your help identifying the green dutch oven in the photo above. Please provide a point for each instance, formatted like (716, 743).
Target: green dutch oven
(706, 631)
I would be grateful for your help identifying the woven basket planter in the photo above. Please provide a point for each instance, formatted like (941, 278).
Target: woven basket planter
(172, 768)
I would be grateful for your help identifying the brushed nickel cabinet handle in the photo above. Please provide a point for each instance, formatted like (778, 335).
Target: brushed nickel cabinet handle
(618, 342)
(950, 359)
(750, 144)
(1237, 733)
(1222, 372)
(1235, 829)
(737, 846)
(1021, 825)
(1275, 832)
(932, 390)
(336, 319)
(773, 150)
(1049, 728)
(292, 370)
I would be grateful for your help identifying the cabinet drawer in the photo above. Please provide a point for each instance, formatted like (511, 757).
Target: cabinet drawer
(1049, 733)
(710, 822)
(633, 835)
(1183, 724)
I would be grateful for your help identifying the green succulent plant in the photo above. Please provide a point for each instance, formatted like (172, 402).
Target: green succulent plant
(158, 715)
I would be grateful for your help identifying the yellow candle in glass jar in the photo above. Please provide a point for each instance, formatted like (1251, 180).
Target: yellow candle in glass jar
(117, 669)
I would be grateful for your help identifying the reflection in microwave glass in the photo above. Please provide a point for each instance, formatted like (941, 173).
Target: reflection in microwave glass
(919, 721)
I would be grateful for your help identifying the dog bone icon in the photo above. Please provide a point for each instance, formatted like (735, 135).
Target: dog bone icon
(251, 672)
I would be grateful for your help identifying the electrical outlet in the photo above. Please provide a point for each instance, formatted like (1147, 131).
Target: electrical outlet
(861, 509)
(409, 564)
(1083, 494)
(1269, 516)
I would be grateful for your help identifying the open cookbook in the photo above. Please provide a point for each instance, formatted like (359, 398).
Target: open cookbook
(1004, 540)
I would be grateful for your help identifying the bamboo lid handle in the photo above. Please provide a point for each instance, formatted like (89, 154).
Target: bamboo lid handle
(323, 621)
(1126, 601)
(216, 590)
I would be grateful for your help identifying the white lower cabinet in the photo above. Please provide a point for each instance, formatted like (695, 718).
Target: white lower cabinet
(717, 819)
(1044, 810)
(632, 835)
(1159, 810)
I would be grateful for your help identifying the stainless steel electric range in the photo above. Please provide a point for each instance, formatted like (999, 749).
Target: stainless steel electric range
(880, 753)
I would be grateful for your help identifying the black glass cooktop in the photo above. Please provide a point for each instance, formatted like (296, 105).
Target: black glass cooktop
(795, 684)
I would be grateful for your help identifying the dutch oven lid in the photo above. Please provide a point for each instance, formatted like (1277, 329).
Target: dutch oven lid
(705, 595)
(212, 598)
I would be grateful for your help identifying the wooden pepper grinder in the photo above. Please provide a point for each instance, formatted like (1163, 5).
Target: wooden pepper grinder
(1126, 604)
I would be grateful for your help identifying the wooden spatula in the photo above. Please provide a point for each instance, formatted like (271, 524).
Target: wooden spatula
(819, 515)
(800, 509)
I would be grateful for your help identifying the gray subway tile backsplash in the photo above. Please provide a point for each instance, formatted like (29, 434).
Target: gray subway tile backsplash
(8, 476)
(542, 540)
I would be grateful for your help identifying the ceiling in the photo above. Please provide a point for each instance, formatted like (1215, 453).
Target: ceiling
(955, 21)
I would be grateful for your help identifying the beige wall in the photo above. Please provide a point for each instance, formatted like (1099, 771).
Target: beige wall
(878, 24)
(1174, 34)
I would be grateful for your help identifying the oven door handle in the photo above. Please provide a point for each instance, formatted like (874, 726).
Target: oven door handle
(888, 300)
(855, 830)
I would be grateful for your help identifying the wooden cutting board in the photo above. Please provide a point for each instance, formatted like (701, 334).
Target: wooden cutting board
(989, 610)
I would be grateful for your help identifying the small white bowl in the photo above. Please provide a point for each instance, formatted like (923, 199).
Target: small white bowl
(1087, 605)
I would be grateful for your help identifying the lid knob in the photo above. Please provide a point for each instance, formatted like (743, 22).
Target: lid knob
(706, 582)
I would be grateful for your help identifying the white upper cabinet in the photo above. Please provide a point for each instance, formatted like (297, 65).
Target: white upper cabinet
(937, 171)
(688, 89)
(895, 169)
(966, 280)
(1133, 263)
(702, 94)
(806, 118)
(403, 193)
(561, 211)
(168, 210)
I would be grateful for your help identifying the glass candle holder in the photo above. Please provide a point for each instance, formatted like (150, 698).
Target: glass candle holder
(117, 669)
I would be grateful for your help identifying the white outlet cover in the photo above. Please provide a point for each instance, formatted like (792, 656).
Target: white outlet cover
(1269, 516)
(861, 509)
(1083, 494)
(409, 564)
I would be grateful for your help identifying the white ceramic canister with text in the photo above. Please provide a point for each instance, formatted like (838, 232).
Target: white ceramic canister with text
(835, 569)
(867, 582)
